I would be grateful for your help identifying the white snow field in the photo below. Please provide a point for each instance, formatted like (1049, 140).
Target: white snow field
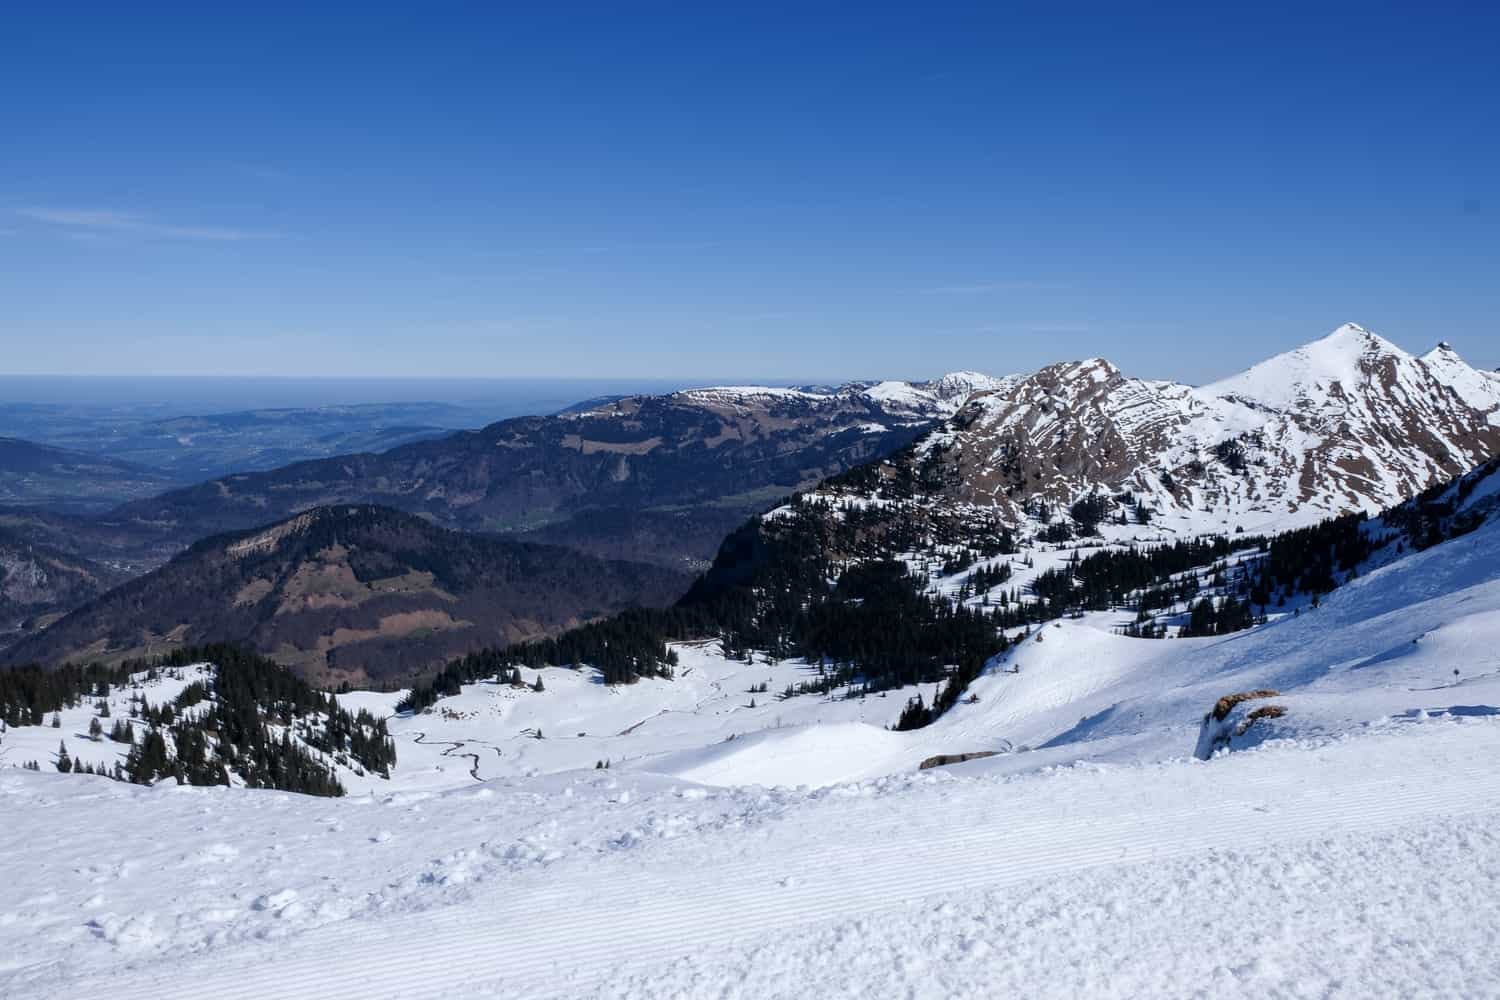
(1360, 865)
(1348, 847)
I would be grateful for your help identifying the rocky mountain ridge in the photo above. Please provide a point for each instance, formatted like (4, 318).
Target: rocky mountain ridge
(1346, 423)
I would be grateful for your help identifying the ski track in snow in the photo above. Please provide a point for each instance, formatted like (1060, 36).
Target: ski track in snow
(455, 748)
(664, 913)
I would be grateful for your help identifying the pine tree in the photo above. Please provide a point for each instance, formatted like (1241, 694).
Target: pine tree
(96, 731)
(64, 762)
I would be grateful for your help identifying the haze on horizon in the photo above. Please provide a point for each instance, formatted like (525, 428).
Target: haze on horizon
(680, 197)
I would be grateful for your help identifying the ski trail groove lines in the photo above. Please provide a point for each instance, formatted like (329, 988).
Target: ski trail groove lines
(564, 933)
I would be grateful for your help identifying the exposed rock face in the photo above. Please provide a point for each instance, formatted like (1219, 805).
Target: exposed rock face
(37, 582)
(1349, 422)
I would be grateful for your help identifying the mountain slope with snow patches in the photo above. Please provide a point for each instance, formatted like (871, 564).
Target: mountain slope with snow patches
(1348, 422)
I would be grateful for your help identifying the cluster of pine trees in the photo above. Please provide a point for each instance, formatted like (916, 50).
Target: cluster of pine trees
(625, 648)
(1230, 614)
(1434, 516)
(254, 720)
(870, 624)
(1116, 578)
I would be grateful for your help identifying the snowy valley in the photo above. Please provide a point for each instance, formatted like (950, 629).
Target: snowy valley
(1191, 752)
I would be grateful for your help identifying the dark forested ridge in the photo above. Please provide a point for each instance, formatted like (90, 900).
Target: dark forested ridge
(353, 593)
(669, 474)
(247, 719)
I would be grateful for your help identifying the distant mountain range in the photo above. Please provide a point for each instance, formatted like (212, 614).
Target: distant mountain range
(349, 592)
(66, 479)
(1074, 489)
(658, 478)
(938, 474)
(177, 450)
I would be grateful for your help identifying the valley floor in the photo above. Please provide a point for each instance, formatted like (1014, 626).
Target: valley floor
(1361, 864)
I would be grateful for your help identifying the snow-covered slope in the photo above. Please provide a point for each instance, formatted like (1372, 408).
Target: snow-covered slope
(1413, 638)
(1070, 838)
(1304, 868)
(940, 397)
(1092, 854)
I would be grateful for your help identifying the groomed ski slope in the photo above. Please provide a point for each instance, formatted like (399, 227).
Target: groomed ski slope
(1360, 865)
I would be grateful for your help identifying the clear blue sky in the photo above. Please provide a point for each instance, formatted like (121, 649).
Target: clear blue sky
(778, 191)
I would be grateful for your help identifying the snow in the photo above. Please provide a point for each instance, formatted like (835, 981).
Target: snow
(741, 844)
(939, 398)
(1479, 389)
(1298, 867)
(732, 392)
(897, 393)
(794, 849)
(1401, 631)
(490, 730)
(1295, 376)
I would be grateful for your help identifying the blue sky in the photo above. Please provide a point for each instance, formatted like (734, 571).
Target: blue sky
(773, 192)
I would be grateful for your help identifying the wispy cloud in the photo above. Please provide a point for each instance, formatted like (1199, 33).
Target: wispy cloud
(95, 220)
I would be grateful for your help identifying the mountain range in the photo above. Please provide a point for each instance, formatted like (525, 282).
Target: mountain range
(66, 479)
(939, 475)
(656, 478)
(349, 593)
(1346, 423)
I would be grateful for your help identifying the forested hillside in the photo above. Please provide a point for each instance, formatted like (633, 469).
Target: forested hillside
(351, 594)
(211, 715)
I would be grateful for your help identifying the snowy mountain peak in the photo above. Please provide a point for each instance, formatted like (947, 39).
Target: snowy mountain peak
(926, 400)
(1351, 331)
(1356, 338)
(1480, 389)
(1347, 358)
(1347, 422)
(961, 385)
